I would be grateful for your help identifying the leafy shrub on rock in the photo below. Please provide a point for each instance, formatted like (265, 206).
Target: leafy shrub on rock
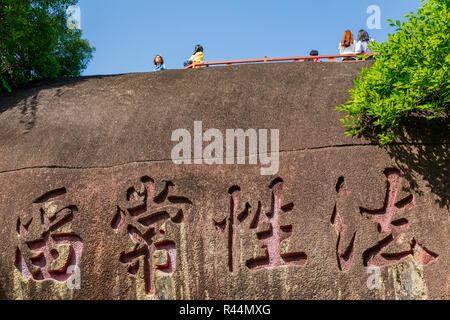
(36, 43)
(408, 78)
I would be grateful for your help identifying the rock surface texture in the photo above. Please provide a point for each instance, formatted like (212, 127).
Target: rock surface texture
(93, 207)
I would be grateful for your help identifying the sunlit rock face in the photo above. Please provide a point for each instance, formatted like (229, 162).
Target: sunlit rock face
(92, 205)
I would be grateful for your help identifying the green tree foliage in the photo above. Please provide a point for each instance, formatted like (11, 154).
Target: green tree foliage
(36, 43)
(409, 77)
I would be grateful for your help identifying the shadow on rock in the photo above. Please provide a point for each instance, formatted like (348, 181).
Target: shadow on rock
(423, 149)
(27, 97)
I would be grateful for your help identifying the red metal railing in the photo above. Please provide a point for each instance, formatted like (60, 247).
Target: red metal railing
(330, 58)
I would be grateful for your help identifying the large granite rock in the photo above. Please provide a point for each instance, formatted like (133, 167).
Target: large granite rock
(92, 206)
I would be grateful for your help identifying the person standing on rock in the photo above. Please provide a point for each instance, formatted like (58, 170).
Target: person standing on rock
(347, 45)
(159, 63)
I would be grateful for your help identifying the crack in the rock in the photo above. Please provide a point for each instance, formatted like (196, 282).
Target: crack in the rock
(193, 159)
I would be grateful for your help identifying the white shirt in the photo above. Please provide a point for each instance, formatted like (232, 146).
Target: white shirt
(347, 50)
(363, 47)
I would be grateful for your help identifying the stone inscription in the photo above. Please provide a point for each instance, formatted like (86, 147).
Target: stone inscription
(266, 224)
(47, 247)
(143, 215)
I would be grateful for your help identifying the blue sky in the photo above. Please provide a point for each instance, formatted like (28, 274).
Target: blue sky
(127, 34)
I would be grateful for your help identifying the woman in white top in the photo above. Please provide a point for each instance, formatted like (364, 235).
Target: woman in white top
(347, 46)
(362, 46)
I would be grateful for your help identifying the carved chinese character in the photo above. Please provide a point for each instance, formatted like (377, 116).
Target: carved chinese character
(344, 256)
(268, 229)
(390, 221)
(143, 216)
(47, 249)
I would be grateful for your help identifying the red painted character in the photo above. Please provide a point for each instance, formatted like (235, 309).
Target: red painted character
(47, 251)
(143, 216)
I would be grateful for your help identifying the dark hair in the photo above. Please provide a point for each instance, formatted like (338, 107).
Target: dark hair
(363, 36)
(154, 60)
(314, 53)
(198, 48)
